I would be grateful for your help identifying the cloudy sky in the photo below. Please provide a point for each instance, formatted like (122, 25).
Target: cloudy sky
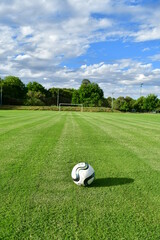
(115, 43)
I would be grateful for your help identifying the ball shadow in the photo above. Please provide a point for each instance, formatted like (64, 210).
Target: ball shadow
(108, 182)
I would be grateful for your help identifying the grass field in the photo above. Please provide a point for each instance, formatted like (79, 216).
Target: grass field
(38, 150)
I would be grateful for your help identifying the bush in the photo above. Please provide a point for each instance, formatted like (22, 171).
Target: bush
(34, 102)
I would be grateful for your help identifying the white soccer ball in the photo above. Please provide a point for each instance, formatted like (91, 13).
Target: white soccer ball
(83, 174)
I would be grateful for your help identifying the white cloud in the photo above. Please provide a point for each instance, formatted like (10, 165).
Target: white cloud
(22, 57)
(146, 49)
(124, 77)
(156, 57)
(147, 34)
(26, 30)
(37, 36)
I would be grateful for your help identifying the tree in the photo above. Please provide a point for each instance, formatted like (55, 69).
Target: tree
(54, 93)
(109, 102)
(75, 97)
(35, 98)
(36, 94)
(118, 103)
(151, 102)
(128, 104)
(1, 91)
(65, 95)
(158, 106)
(14, 90)
(86, 81)
(139, 104)
(89, 94)
(36, 87)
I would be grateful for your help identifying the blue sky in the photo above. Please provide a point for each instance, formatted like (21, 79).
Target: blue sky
(58, 43)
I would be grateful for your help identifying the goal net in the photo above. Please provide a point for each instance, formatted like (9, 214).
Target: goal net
(70, 107)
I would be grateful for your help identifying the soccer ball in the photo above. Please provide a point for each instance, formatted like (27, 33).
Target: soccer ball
(83, 174)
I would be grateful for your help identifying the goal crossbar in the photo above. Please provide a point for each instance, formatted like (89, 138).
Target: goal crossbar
(70, 104)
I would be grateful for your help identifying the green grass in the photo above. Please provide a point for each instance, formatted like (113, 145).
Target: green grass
(38, 199)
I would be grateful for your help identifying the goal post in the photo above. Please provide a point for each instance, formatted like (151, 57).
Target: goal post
(70, 105)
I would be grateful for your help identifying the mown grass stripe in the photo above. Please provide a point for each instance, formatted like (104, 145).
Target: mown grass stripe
(20, 124)
(137, 140)
(23, 176)
(142, 173)
(41, 200)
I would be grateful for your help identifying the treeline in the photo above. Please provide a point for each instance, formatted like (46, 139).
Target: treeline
(151, 103)
(15, 92)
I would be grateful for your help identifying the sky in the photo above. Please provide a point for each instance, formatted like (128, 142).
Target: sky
(58, 43)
